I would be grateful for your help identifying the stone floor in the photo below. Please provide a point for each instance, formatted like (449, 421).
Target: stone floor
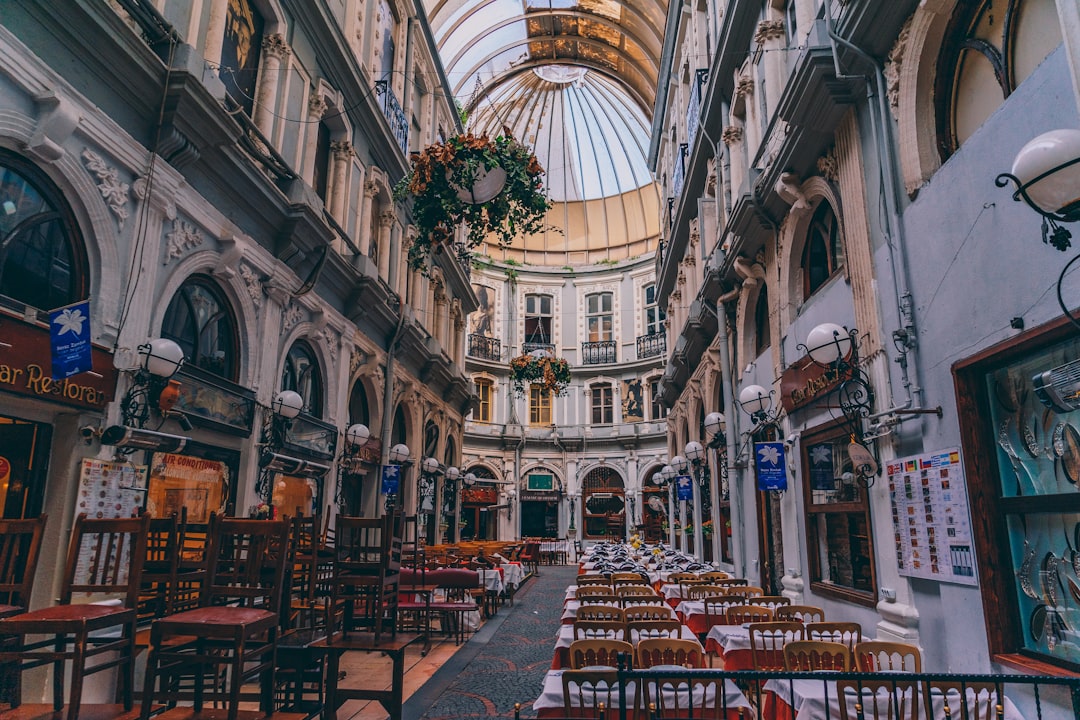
(502, 664)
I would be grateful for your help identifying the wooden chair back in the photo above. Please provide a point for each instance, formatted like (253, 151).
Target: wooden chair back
(802, 613)
(598, 652)
(589, 693)
(809, 655)
(716, 608)
(247, 563)
(669, 651)
(646, 629)
(593, 580)
(624, 591)
(848, 633)
(160, 568)
(106, 557)
(629, 578)
(599, 599)
(683, 695)
(739, 614)
(20, 546)
(600, 612)
(879, 699)
(646, 612)
(714, 575)
(682, 577)
(877, 655)
(746, 591)
(966, 701)
(599, 629)
(767, 641)
(702, 590)
(586, 591)
(731, 582)
(769, 601)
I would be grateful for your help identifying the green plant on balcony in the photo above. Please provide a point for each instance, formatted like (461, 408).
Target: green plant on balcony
(539, 368)
(493, 186)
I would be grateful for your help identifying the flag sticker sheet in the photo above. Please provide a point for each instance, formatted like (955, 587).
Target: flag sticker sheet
(930, 517)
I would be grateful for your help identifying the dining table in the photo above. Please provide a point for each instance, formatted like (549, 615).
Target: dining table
(570, 608)
(565, 637)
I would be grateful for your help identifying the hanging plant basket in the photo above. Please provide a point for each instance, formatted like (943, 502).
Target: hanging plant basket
(551, 373)
(492, 187)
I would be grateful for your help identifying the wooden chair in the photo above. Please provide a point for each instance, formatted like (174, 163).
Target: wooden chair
(878, 699)
(875, 655)
(967, 701)
(599, 629)
(600, 612)
(716, 608)
(105, 558)
(20, 543)
(681, 577)
(160, 569)
(629, 578)
(809, 655)
(598, 652)
(590, 693)
(732, 582)
(312, 577)
(802, 613)
(367, 573)
(625, 591)
(646, 612)
(848, 633)
(770, 601)
(713, 576)
(703, 590)
(460, 588)
(767, 641)
(593, 580)
(235, 629)
(668, 651)
(746, 591)
(645, 629)
(530, 557)
(683, 695)
(739, 614)
(591, 591)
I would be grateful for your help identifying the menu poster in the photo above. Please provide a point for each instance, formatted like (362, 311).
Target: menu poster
(107, 490)
(179, 482)
(930, 517)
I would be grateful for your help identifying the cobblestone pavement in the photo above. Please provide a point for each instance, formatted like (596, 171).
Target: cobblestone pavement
(510, 666)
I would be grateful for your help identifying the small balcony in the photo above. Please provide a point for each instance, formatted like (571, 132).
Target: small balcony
(651, 345)
(484, 347)
(391, 108)
(598, 353)
(529, 347)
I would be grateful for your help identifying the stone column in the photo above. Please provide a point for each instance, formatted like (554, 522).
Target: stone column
(386, 221)
(458, 324)
(215, 30)
(371, 189)
(732, 137)
(342, 152)
(316, 109)
(274, 51)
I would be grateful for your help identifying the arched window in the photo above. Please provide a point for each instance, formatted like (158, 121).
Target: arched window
(359, 411)
(989, 48)
(42, 258)
(762, 338)
(201, 322)
(603, 501)
(301, 373)
(823, 253)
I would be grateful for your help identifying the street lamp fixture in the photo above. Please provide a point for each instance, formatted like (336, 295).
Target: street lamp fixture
(357, 437)
(399, 454)
(714, 430)
(152, 387)
(757, 402)
(679, 465)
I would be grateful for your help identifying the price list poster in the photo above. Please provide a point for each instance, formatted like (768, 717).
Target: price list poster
(930, 517)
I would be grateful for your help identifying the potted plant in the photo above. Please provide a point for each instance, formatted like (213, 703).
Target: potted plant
(493, 186)
(539, 368)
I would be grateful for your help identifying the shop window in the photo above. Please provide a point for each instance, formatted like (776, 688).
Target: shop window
(840, 551)
(599, 320)
(483, 392)
(42, 260)
(201, 322)
(1021, 434)
(823, 254)
(602, 405)
(654, 316)
(301, 374)
(989, 48)
(538, 317)
(539, 406)
(603, 504)
(240, 50)
(762, 332)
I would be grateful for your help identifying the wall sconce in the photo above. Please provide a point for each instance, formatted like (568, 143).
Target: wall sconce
(469, 480)
(1046, 173)
(357, 436)
(837, 348)
(284, 408)
(714, 430)
(153, 387)
(399, 454)
(757, 402)
(679, 465)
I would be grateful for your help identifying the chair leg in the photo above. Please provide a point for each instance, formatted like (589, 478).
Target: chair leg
(236, 673)
(149, 680)
(128, 677)
(78, 667)
(58, 674)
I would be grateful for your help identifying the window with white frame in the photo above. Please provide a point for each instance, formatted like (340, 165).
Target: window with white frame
(538, 318)
(484, 389)
(539, 405)
(602, 401)
(654, 315)
(599, 318)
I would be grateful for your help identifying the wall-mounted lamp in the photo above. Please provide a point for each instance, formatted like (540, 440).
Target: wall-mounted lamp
(757, 402)
(1046, 173)
(152, 388)
(284, 408)
(399, 454)
(835, 347)
(357, 436)
(714, 430)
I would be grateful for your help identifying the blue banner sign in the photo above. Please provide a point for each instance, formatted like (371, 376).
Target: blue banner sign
(69, 338)
(771, 467)
(391, 479)
(684, 487)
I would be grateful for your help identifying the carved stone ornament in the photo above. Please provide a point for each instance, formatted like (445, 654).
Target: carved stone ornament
(745, 86)
(789, 188)
(768, 30)
(894, 65)
(732, 134)
(274, 44)
(138, 189)
(290, 316)
(371, 188)
(828, 165)
(253, 285)
(113, 192)
(710, 177)
(342, 149)
(316, 106)
(357, 357)
(387, 219)
(184, 236)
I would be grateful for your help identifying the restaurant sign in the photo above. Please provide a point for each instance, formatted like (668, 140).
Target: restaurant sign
(26, 368)
(805, 381)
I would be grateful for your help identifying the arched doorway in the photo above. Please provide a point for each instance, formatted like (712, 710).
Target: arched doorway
(476, 522)
(603, 505)
(425, 484)
(540, 504)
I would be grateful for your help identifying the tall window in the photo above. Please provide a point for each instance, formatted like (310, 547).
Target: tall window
(824, 253)
(240, 50)
(539, 406)
(658, 411)
(483, 391)
(387, 29)
(200, 321)
(321, 179)
(841, 554)
(654, 316)
(538, 316)
(762, 338)
(301, 373)
(42, 263)
(602, 406)
(600, 322)
(791, 25)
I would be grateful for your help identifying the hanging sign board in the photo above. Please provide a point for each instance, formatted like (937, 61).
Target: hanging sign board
(771, 467)
(684, 487)
(69, 340)
(391, 479)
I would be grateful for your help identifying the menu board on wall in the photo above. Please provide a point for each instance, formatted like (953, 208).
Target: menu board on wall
(930, 517)
(107, 490)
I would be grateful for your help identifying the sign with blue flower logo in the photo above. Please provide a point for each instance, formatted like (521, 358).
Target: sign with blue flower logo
(69, 334)
(391, 479)
(684, 488)
(771, 468)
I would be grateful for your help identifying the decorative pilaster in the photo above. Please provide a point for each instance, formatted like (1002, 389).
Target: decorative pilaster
(371, 189)
(386, 221)
(316, 109)
(342, 153)
(274, 50)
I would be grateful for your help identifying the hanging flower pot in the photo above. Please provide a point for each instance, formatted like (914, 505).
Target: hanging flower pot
(551, 373)
(487, 184)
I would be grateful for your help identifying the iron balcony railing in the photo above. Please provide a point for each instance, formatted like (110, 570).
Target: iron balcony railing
(598, 353)
(529, 347)
(670, 212)
(678, 175)
(693, 108)
(484, 347)
(651, 345)
(399, 124)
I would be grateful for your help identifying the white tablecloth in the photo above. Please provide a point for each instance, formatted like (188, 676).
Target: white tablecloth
(810, 703)
(492, 580)
(552, 695)
(513, 575)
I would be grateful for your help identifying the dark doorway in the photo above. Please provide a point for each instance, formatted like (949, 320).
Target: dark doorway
(24, 466)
